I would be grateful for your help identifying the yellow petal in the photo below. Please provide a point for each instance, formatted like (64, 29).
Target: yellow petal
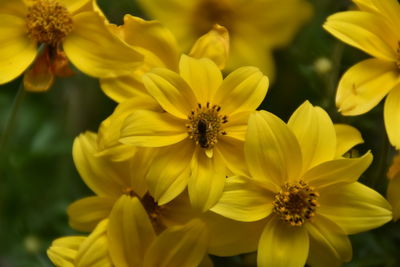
(152, 129)
(124, 88)
(282, 245)
(156, 42)
(183, 246)
(236, 126)
(213, 45)
(336, 171)
(392, 116)
(202, 75)
(229, 237)
(207, 180)
(393, 195)
(92, 47)
(104, 177)
(94, 249)
(171, 92)
(329, 236)
(364, 85)
(329, 242)
(74, 5)
(63, 250)
(232, 153)
(14, 7)
(272, 152)
(169, 172)
(365, 31)
(206, 262)
(242, 90)
(86, 213)
(388, 9)
(17, 51)
(347, 137)
(244, 200)
(354, 207)
(130, 232)
(319, 255)
(315, 133)
(365, 5)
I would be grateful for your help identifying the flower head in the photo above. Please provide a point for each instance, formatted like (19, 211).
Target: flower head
(47, 34)
(373, 29)
(306, 194)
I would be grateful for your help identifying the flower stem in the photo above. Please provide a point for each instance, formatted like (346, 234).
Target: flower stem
(9, 125)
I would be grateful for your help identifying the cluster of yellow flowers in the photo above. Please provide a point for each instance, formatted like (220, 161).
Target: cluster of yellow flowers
(185, 166)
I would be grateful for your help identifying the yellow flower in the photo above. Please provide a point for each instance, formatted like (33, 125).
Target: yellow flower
(112, 180)
(305, 194)
(373, 29)
(200, 131)
(128, 239)
(64, 30)
(160, 49)
(393, 189)
(255, 27)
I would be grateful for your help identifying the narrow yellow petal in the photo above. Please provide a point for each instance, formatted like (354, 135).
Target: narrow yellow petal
(315, 132)
(336, 171)
(202, 75)
(282, 245)
(92, 47)
(364, 85)
(392, 116)
(74, 5)
(207, 180)
(152, 129)
(232, 153)
(347, 137)
(17, 51)
(272, 151)
(63, 251)
(169, 172)
(236, 126)
(242, 90)
(183, 246)
(130, 232)
(330, 237)
(171, 91)
(366, 31)
(244, 200)
(389, 9)
(86, 213)
(213, 45)
(349, 203)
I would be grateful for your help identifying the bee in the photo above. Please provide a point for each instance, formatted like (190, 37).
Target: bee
(202, 130)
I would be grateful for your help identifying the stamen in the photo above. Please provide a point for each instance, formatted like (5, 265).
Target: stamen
(296, 203)
(48, 22)
(205, 125)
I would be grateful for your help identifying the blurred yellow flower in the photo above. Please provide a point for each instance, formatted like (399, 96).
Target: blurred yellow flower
(256, 27)
(373, 29)
(204, 118)
(110, 180)
(63, 30)
(306, 195)
(393, 189)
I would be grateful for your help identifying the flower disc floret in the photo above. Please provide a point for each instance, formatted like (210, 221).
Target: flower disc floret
(205, 125)
(296, 203)
(48, 22)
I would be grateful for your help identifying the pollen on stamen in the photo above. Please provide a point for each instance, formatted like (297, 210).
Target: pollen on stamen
(296, 203)
(48, 22)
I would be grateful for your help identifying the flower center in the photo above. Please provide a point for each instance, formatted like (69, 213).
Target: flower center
(205, 125)
(210, 12)
(48, 22)
(296, 203)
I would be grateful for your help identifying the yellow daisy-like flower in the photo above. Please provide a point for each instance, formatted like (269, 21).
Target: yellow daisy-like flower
(128, 238)
(111, 180)
(200, 131)
(306, 194)
(393, 189)
(160, 49)
(65, 30)
(373, 29)
(256, 27)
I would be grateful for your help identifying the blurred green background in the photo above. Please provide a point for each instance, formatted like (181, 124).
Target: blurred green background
(38, 179)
